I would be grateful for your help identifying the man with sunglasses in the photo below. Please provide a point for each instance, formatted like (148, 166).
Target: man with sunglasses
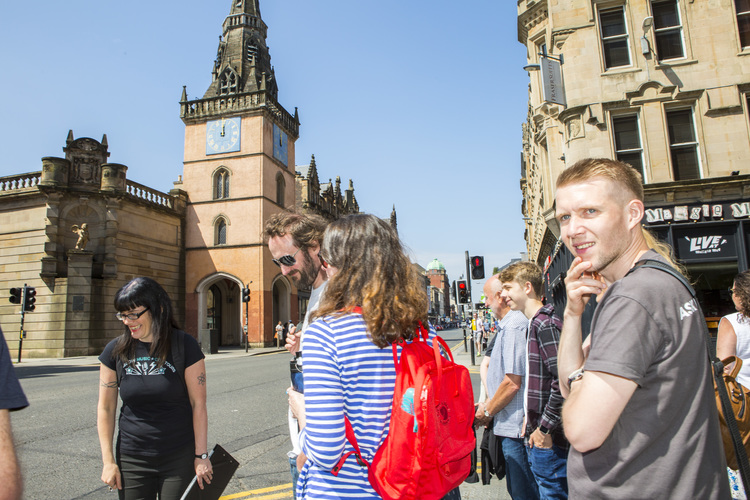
(294, 242)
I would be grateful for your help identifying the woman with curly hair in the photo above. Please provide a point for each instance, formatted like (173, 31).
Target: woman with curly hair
(733, 338)
(375, 297)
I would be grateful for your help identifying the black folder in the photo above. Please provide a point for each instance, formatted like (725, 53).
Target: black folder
(223, 465)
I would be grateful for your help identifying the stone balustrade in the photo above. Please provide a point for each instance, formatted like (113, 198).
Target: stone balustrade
(20, 182)
(150, 195)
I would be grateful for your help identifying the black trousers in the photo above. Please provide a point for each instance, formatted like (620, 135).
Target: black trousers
(164, 477)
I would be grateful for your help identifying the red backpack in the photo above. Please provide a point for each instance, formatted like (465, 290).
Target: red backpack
(427, 451)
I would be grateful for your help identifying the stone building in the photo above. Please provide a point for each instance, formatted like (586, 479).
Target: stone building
(663, 85)
(202, 240)
(133, 231)
(439, 291)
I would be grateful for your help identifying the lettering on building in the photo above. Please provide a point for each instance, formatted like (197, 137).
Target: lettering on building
(685, 213)
(702, 245)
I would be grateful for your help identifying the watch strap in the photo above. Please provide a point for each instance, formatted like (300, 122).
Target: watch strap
(544, 430)
(202, 456)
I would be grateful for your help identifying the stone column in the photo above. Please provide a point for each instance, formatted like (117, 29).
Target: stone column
(78, 317)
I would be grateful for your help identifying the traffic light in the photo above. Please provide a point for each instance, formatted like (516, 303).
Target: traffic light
(29, 299)
(15, 295)
(477, 267)
(463, 292)
(246, 294)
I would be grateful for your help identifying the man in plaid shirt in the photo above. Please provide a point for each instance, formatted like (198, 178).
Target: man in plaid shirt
(547, 447)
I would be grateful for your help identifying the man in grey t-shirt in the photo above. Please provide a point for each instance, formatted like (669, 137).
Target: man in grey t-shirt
(640, 413)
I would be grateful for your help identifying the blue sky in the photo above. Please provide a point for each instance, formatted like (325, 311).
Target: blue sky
(419, 102)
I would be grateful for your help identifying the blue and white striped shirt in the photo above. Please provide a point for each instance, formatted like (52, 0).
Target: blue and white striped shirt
(344, 373)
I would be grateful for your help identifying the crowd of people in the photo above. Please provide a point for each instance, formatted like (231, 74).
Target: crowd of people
(627, 412)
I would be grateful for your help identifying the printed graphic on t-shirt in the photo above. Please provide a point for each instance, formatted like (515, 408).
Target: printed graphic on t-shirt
(146, 365)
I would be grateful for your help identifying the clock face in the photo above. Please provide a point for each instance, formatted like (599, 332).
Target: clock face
(223, 136)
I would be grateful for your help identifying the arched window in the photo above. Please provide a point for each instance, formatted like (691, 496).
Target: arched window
(228, 83)
(221, 184)
(220, 237)
(280, 189)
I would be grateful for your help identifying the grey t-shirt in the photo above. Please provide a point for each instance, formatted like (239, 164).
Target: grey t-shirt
(666, 443)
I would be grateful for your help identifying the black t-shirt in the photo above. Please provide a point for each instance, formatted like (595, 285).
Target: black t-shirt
(156, 416)
(11, 394)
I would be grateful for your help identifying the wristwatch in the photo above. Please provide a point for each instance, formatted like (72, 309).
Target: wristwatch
(544, 430)
(575, 376)
(202, 456)
(486, 413)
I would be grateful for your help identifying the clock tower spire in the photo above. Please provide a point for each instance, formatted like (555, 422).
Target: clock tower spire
(238, 171)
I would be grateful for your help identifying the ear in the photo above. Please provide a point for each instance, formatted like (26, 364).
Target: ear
(527, 288)
(635, 211)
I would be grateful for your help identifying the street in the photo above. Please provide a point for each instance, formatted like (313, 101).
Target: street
(59, 449)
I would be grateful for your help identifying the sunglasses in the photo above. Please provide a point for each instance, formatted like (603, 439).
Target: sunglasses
(731, 291)
(323, 262)
(286, 260)
(131, 316)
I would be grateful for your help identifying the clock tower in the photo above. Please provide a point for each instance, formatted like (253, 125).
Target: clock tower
(238, 170)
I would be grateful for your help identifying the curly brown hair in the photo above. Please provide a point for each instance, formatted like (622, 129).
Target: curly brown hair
(374, 273)
(742, 292)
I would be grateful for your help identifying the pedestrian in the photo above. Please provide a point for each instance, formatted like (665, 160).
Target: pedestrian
(503, 410)
(640, 413)
(163, 424)
(733, 338)
(279, 333)
(546, 445)
(12, 398)
(294, 242)
(374, 298)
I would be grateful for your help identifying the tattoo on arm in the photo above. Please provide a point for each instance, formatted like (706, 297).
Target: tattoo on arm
(202, 379)
(109, 385)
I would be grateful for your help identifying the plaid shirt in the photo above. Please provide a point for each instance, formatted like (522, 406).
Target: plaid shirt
(544, 401)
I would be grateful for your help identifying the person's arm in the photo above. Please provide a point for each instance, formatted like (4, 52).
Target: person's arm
(10, 472)
(483, 367)
(579, 286)
(726, 340)
(509, 387)
(195, 380)
(594, 405)
(105, 425)
(548, 337)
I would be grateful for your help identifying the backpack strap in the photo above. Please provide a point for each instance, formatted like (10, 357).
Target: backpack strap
(717, 369)
(357, 454)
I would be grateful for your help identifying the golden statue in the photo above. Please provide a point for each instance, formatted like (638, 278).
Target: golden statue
(83, 235)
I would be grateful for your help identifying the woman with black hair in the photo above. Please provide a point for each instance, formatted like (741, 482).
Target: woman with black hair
(733, 337)
(161, 376)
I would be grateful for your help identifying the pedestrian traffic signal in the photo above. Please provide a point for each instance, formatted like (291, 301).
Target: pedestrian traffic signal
(463, 292)
(477, 267)
(246, 294)
(29, 298)
(15, 295)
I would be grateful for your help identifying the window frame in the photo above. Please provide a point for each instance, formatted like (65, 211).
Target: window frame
(220, 224)
(626, 36)
(695, 143)
(680, 27)
(220, 185)
(737, 15)
(280, 190)
(641, 150)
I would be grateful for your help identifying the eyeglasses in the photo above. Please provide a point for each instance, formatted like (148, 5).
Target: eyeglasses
(323, 262)
(131, 316)
(731, 291)
(286, 260)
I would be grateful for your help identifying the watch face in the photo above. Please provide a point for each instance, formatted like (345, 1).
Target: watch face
(223, 136)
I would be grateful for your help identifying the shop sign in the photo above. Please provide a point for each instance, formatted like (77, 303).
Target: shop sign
(708, 242)
(685, 213)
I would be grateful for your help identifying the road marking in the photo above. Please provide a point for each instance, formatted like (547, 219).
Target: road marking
(259, 493)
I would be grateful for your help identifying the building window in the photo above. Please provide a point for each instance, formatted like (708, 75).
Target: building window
(683, 146)
(221, 184)
(280, 189)
(614, 31)
(221, 232)
(627, 138)
(743, 21)
(667, 30)
(228, 83)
